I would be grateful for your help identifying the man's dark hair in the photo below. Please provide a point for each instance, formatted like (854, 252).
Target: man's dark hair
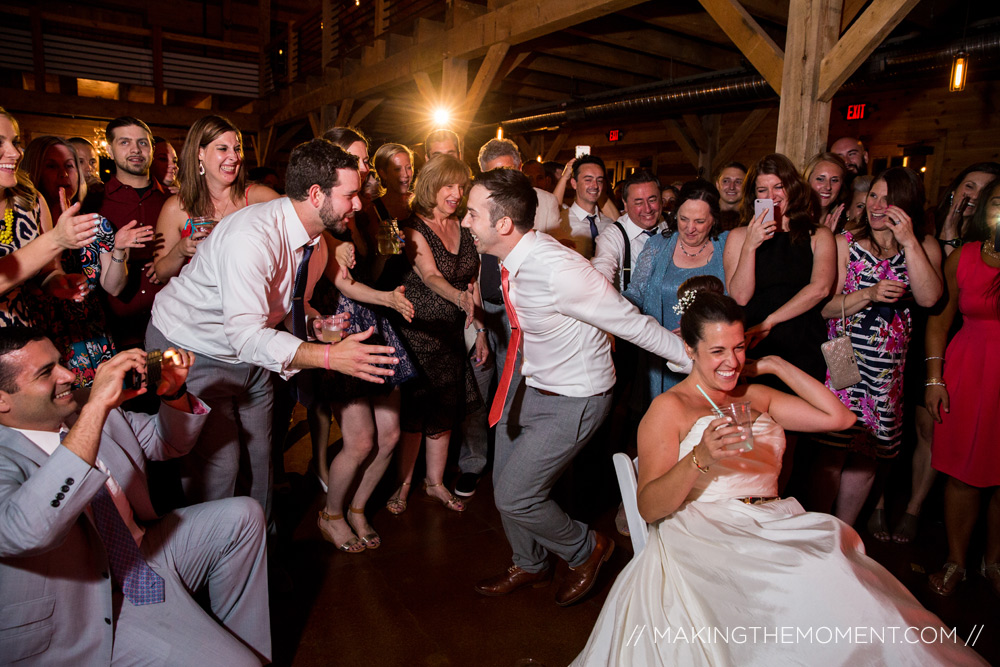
(126, 121)
(315, 163)
(511, 195)
(637, 178)
(553, 169)
(588, 159)
(13, 339)
(729, 165)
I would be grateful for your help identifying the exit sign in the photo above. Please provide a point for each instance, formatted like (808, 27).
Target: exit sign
(856, 111)
(614, 135)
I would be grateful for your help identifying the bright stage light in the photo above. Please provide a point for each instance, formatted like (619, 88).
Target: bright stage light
(441, 116)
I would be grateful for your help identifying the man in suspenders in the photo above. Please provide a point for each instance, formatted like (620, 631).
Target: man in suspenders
(619, 245)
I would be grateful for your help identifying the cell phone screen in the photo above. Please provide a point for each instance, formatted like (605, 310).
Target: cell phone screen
(760, 205)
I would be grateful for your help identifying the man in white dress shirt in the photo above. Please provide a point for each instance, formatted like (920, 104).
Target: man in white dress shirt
(614, 258)
(495, 154)
(584, 217)
(227, 306)
(559, 308)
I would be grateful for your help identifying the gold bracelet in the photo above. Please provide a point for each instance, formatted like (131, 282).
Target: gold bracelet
(694, 459)
(929, 358)
(935, 384)
(929, 380)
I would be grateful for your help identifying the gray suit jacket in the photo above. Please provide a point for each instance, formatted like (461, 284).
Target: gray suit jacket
(56, 601)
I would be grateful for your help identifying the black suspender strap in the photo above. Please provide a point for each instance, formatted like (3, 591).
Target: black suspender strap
(626, 256)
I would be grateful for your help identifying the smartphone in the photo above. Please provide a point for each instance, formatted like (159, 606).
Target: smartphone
(582, 150)
(764, 205)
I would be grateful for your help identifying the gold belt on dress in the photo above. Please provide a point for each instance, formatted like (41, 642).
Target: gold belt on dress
(758, 500)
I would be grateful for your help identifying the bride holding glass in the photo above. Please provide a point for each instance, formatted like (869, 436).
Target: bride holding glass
(726, 559)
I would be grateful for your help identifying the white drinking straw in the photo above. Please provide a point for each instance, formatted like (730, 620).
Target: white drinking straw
(715, 407)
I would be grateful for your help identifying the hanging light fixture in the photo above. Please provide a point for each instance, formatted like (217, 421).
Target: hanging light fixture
(500, 132)
(959, 70)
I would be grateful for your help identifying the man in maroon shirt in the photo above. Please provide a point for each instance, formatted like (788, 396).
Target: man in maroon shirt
(132, 195)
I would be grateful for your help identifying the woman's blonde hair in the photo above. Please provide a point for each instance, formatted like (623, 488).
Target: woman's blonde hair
(23, 195)
(383, 158)
(439, 171)
(195, 198)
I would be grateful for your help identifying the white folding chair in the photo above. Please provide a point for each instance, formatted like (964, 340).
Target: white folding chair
(637, 527)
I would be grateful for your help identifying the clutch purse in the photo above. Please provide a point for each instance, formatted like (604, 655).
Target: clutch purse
(840, 358)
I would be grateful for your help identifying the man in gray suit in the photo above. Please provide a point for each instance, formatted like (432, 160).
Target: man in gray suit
(89, 574)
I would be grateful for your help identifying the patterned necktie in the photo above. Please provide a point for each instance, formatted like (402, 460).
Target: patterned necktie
(299, 293)
(140, 584)
(500, 398)
(650, 232)
(592, 219)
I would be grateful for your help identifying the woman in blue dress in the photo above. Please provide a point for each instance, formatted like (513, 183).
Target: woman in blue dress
(691, 246)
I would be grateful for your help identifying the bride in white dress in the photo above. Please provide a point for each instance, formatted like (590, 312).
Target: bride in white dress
(725, 582)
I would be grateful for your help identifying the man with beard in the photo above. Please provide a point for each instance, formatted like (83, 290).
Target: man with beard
(854, 154)
(233, 307)
(131, 197)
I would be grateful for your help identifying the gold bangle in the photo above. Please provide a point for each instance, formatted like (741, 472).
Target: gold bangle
(694, 459)
(935, 380)
(935, 384)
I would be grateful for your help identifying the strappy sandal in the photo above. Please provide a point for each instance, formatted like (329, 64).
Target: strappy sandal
(992, 574)
(877, 526)
(397, 504)
(946, 581)
(370, 540)
(906, 530)
(453, 503)
(351, 546)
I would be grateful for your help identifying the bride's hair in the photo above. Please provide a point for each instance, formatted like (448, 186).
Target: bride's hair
(707, 306)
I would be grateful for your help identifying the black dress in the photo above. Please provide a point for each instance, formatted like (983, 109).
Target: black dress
(782, 269)
(445, 387)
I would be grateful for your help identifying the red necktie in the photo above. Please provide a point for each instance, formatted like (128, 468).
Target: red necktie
(500, 398)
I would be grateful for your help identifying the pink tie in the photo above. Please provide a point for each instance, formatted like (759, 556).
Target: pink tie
(500, 398)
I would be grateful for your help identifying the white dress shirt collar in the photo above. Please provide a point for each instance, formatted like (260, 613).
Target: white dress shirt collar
(47, 441)
(633, 230)
(581, 214)
(294, 229)
(519, 252)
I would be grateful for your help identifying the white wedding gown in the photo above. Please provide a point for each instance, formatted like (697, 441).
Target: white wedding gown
(721, 582)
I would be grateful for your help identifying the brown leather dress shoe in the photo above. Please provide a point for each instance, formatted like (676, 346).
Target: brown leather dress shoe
(579, 580)
(513, 579)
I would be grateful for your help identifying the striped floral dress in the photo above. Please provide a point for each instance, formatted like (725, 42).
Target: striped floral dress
(880, 335)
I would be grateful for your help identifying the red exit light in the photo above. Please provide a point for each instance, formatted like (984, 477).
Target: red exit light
(855, 111)
(614, 135)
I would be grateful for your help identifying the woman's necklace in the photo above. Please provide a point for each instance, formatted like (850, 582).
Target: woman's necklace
(987, 250)
(7, 233)
(215, 208)
(692, 254)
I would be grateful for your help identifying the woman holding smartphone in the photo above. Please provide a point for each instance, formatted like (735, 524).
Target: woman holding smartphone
(780, 265)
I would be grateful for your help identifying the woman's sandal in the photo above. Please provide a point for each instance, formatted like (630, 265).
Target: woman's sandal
(370, 540)
(946, 581)
(906, 530)
(453, 503)
(992, 574)
(351, 546)
(877, 526)
(397, 504)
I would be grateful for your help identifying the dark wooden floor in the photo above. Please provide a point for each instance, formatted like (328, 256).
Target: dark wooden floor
(411, 601)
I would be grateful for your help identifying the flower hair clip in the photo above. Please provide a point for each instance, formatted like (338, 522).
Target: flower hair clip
(686, 300)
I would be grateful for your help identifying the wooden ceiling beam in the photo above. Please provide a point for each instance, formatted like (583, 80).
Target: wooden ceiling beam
(750, 38)
(613, 58)
(518, 22)
(657, 43)
(581, 71)
(854, 47)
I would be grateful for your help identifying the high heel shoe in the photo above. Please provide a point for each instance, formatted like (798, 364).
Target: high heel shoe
(397, 504)
(370, 540)
(453, 503)
(351, 546)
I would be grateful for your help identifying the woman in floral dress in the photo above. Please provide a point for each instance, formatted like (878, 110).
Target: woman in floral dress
(884, 266)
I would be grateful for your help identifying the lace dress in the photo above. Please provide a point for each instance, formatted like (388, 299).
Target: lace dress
(445, 387)
(718, 574)
(880, 335)
(16, 304)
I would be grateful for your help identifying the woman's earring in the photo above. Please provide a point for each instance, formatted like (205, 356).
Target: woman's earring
(201, 168)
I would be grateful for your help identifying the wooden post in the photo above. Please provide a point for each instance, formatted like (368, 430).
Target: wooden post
(38, 48)
(292, 53)
(803, 119)
(326, 43)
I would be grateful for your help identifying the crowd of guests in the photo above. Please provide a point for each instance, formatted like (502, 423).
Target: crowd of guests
(370, 291)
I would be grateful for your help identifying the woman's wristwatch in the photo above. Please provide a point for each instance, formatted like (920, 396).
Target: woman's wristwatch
(177, 394)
